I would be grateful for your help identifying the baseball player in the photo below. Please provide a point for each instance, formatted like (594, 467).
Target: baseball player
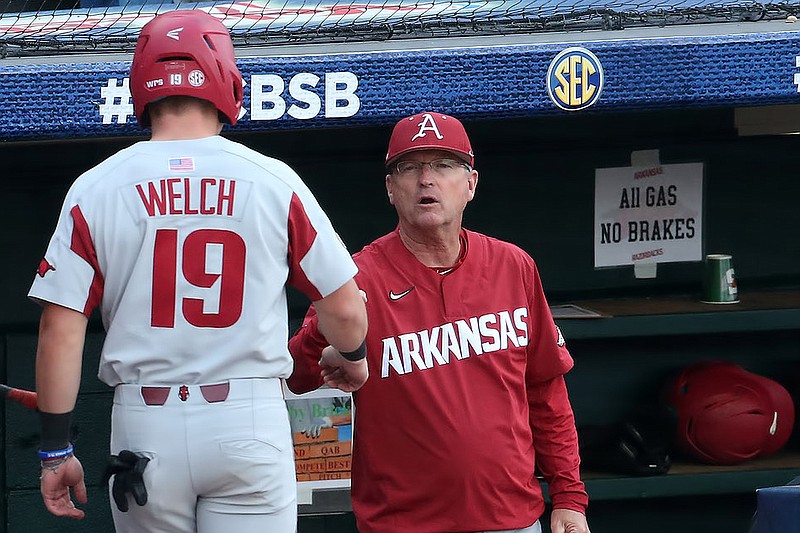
(466, 390)
(185, 244)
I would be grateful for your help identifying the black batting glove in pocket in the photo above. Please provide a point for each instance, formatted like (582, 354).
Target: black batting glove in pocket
(127, 469)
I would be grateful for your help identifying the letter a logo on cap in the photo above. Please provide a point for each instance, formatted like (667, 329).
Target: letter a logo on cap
(429, 131)
(427, 124)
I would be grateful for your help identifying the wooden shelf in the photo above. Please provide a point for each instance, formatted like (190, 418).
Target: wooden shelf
(682, 315)
(327, 502)
(685, 478)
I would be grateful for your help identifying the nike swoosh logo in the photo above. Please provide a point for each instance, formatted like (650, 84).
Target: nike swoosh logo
(395, 297)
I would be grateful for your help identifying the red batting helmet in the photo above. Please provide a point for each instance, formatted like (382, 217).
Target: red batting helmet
(727, 415)
(185, 53)
(430, 131)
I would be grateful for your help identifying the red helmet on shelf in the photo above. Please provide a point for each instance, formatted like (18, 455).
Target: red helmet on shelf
(185, 53)
(727, 415)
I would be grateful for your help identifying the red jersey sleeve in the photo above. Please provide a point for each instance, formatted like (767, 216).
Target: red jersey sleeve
(306, 348)
(548, 356)
(555, 440)
(552, 421)
(301, 237)
(318, 261)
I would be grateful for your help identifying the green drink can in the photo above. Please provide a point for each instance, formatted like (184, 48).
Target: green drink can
(719, 282)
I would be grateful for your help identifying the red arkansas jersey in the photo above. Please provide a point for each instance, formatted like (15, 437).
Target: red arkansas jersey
(465, 394)
(186, 247)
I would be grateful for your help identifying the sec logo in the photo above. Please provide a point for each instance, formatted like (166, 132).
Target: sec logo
(574, 79)
(197, 78)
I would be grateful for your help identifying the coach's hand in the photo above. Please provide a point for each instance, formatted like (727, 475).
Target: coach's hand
(341, 373)
(568, 521)
(127, 469)
(56, 484)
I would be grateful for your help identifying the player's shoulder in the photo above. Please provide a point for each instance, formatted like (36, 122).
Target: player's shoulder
(495, 245)
(374, 255)
(494, 251)
(269, 165)
(380, 247)
(96, 176)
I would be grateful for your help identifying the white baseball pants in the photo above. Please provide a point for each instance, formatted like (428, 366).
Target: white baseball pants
(221, 458)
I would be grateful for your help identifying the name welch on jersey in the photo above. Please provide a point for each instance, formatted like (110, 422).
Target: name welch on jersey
(454, 341)
(187, 196)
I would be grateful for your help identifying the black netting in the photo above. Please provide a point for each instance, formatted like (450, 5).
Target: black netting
(64, 26)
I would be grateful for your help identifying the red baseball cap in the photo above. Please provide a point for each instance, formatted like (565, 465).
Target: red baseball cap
(429, 131)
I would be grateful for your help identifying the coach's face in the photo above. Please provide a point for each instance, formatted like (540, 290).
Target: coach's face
(430, 188)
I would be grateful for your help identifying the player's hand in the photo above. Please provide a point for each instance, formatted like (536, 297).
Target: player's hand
(341, 373)
(56, 484)
(568, 521)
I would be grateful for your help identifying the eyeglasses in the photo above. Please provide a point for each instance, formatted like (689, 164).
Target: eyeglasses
(440, 167)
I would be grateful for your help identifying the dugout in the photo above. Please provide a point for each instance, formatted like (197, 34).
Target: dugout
(724, 95)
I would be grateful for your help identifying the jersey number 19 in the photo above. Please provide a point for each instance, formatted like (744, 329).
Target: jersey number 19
(194, 271)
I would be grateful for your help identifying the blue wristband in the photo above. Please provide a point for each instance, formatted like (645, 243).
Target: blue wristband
(56, 454)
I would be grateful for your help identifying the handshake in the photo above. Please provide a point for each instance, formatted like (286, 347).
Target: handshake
(341, 373)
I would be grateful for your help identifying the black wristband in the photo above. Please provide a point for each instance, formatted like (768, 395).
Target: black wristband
(55, 430)
(358, 354)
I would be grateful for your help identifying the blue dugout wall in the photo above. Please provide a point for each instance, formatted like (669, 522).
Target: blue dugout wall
(316, 87)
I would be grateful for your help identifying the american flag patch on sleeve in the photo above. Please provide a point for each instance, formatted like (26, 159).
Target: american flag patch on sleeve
(182, 164)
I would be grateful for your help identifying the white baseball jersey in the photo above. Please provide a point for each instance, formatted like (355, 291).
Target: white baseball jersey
(186, 247)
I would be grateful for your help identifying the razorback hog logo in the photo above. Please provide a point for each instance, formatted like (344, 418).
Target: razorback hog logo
(44, 268)
(183, 393)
